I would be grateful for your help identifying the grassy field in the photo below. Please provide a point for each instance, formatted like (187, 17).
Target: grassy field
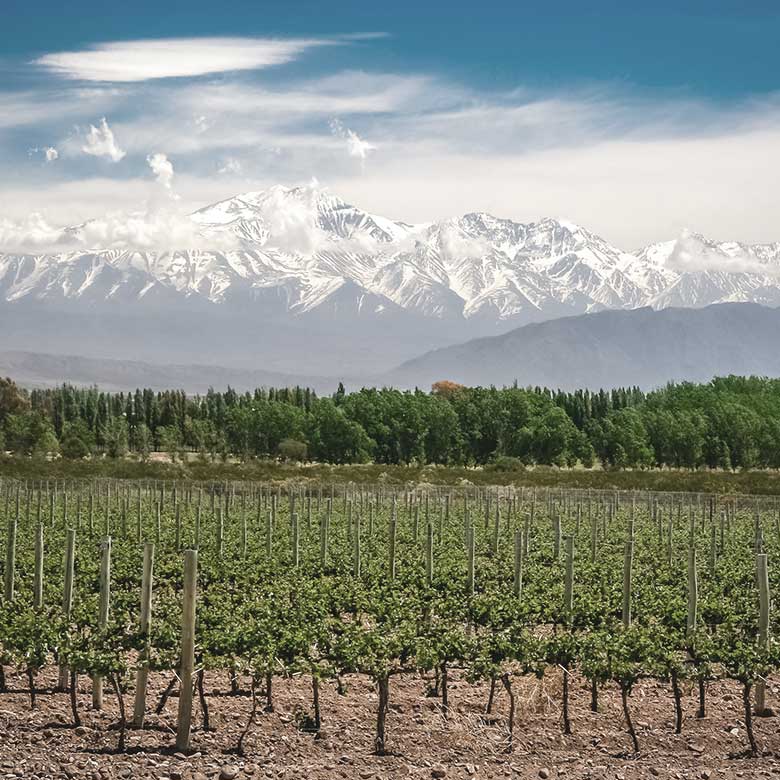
(705, 481)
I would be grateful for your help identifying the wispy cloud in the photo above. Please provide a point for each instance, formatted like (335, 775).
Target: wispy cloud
(356, 146)
(231, 165)
(143, 60)
(100, 142)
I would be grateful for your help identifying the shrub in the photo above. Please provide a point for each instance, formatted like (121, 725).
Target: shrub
(505, 463)
(292, 449)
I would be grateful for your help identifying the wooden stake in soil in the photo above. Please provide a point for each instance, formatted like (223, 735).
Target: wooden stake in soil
(391, 546)
(105, 600)
(67, 593)
(356, 543)
(296, 554)
(519, 556)
(568, 590)
(145, 625)
(693, 591)
(429, 554)
(762, 576)
(628, 563)
(10, 553)
(38, 579)
(187, 650)
(470, 563)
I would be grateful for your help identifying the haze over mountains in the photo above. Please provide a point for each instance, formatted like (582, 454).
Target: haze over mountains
(605, 349)
(295, 281)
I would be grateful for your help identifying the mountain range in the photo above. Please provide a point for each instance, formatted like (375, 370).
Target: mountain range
(297, 281)
(641, 347)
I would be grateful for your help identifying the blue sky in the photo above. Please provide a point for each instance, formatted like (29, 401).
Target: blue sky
(638, 120)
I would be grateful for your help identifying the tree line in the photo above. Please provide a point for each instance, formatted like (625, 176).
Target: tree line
(730, 422)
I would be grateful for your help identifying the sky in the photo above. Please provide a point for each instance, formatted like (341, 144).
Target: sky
(637, 120)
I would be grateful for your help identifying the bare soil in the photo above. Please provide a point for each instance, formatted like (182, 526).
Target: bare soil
(42, 743)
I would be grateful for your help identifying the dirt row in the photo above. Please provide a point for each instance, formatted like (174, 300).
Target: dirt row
(42, 743)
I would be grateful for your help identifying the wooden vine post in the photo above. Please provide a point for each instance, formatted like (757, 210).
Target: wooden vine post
(184, 721)
(693, 590)
(324, 541)
(105, 600)
(10, 553)
(762, 576)
(296, 551)
(429, 554)
(67, 594)
(519, 556)
(568, 589)
(356, 544)
(220, 531)
(496, 530)
(628, 564)
(470, 561)
(38, 576)
(145, 625)
(391, 546)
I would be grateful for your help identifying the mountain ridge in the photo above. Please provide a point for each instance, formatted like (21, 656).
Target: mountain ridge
(308, 241)
(643, 347)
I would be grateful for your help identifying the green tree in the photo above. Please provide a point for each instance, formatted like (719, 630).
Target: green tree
(115, 437)
(77, 440)
(334, 438)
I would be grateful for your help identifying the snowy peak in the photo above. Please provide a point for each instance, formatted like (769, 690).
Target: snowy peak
(302, 249)
(313, 213)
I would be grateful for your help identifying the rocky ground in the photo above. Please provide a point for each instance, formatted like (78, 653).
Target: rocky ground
(42, 743)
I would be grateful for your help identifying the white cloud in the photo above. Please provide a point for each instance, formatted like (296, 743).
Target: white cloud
(125, 61)
(692, 253)
(162, 168)
(292, 221)
(31, 234)
(100, 142)
(356, 146)
(154, 228)
(49, 153)
(150, 229)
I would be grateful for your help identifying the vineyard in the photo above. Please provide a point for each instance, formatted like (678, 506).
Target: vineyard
(112, 583)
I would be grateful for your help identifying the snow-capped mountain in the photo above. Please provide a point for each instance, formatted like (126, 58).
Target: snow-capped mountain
(308, 244)
(286, 255)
